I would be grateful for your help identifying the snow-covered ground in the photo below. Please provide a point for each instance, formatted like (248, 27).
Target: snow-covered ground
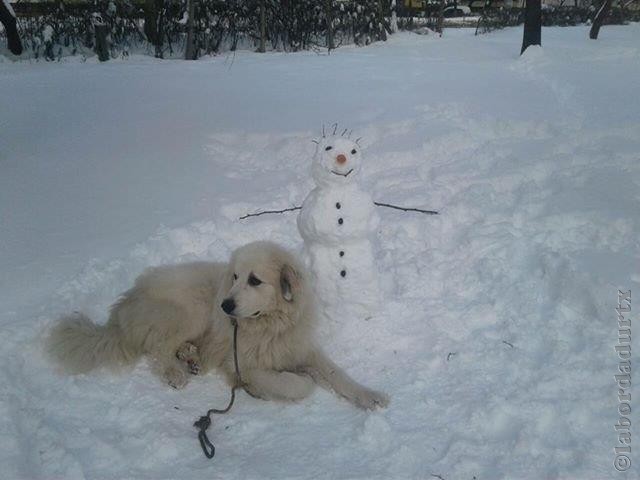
(496, 340)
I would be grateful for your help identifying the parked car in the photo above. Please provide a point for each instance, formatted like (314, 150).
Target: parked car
(456, 11)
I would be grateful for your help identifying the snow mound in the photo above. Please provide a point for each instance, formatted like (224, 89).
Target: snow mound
(495, 338)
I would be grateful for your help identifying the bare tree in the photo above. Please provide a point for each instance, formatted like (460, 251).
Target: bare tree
(599, 19)
(394, 17)
(329, 16)
(532, 25)
(440, 20)
(8, 20)
(381, 26)
(263, 27)
(154, 24)
(101, 31)
(190, 48)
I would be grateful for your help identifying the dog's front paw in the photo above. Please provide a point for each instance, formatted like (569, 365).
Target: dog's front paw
(194, 367)
(176, 377)
(369, 399)
(188, 353)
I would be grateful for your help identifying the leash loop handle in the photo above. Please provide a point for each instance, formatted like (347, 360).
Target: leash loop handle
(204, 422)
(207, 447)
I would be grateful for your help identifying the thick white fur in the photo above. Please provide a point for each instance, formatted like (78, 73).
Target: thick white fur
(172, 308)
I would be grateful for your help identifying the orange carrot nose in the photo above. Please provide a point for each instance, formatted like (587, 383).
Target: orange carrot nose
(341, 159)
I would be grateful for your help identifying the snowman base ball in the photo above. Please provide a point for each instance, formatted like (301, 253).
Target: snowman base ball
(344, 279)
(336, 222)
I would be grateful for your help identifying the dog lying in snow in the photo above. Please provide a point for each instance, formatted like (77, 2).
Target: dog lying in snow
(178, 315)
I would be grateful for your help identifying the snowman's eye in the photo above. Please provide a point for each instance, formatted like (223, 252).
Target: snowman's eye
(235, 277)
(353, 152)
(328, 148)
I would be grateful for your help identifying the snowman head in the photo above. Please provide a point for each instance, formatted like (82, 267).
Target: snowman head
(336, 162)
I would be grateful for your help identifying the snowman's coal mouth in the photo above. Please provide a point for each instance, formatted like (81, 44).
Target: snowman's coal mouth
(342, 174)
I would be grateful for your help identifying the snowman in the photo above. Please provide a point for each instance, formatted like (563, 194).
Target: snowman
(336, 222)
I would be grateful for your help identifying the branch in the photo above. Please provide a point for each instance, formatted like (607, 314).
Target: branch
(268, 211)
(379, 204)
(428, 212)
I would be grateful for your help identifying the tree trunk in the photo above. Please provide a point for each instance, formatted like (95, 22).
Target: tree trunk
(394, 17)
(381, 26)
(160, 28)
(532, 25)
(8, 19)
(599, 19)
(154, 24)
(102, 46)
(263, 28)
(440, 20)
(329, 15)
(150, 16)
(190, 49)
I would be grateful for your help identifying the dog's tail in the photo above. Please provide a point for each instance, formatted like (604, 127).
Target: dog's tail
(79, 345)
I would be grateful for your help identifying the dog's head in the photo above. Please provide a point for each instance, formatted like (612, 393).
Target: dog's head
(262, 279)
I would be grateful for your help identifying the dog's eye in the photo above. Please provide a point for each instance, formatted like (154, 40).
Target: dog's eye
(254, 281)
(235, 277)
(353, 152)
(328, 148)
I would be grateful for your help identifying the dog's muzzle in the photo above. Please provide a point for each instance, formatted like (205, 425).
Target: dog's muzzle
(228, 306)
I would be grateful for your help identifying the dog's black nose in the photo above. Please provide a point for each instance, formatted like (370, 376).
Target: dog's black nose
(228, 305)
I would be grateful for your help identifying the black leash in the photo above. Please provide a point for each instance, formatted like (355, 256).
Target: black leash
(205, 421)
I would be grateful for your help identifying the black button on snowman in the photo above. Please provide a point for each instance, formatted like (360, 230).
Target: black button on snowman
(336, 222)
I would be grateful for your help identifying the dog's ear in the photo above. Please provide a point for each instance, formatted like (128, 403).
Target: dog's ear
(289, 282)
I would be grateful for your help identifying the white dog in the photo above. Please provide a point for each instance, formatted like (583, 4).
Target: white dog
(178, 315)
